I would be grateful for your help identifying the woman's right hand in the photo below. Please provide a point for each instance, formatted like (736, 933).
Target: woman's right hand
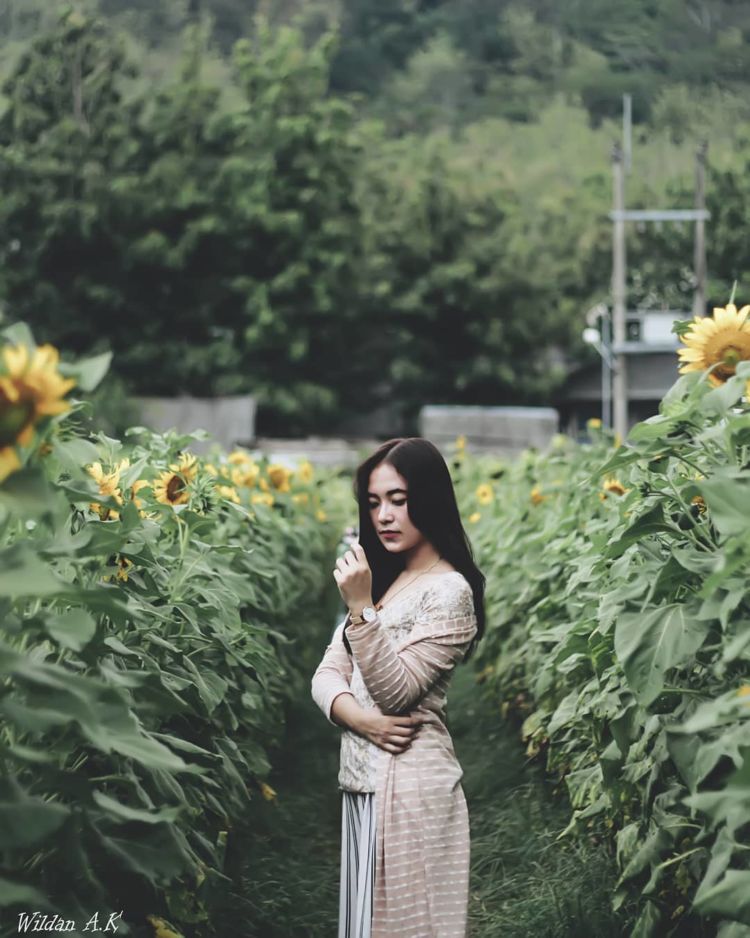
(392, 733)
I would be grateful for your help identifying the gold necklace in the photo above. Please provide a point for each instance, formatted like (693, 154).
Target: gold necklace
(379, 606)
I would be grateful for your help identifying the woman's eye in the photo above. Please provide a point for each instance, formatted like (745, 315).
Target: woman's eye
(400, 503)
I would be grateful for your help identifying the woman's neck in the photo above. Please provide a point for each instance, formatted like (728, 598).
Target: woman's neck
(420, 557)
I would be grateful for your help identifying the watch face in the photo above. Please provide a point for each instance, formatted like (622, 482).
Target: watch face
(369, 613)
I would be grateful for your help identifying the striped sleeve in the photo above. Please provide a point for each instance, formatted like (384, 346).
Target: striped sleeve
(333, 675)
(443, 629)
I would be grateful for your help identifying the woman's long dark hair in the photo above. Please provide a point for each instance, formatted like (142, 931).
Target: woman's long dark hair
(431, 505)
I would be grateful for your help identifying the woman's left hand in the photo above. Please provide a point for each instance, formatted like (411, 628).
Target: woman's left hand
(354, 578)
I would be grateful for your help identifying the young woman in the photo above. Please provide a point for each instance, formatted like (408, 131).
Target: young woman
(416, 609)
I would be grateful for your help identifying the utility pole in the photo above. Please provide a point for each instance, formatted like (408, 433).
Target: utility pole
(619, 336)
(699, 257)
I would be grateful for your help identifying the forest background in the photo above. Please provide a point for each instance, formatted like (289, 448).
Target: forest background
(334, 205)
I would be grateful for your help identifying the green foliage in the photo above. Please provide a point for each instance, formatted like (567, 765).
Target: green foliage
(238, 226)
(618, 636)
(145, 661)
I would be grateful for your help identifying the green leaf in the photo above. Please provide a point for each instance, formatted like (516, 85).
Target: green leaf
(125, 813)
(23, 573)
(28, 822)
(27, 493)
(729, 898)
(19, 894)
(72, 629)
(648, 644)
(88, 372)
(726, 495)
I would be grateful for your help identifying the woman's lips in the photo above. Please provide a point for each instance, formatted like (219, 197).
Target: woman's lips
(390, 535)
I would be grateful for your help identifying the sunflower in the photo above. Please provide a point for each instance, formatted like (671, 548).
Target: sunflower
(245, 474)
(304, 472)
(109, 486)
(30, 389)
(161, 928)
(268, 793)
(699, 503)
(301, 498)
(239, 456)
(187, 467)
(228, 492)
(536, 496)
(594, 423)
(460, 443)
(321, 515)
(717, 342)
(135, 489)
(612, 486)
(474, 517)
(262, 498)
(484, 493)
(170, 489)
(279, 476)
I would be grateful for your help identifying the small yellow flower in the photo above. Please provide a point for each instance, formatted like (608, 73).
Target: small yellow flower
(536, 496)
(262, 498)
(161, 928)
(301, 498)
(474, 517)
(594, 423)
(612, 486)
(304, 472)
(321, 515)
(229, 492)
(268, 793)
(461, 441)
(484, 493)
(211, 469)
(124, 566)
(279, 476)
(744, 691)
(263, 485)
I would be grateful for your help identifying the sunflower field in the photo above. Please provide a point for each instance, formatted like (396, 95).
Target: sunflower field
(619, 631)
(150, 607)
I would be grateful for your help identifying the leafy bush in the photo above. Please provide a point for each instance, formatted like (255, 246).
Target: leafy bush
(618, 635)
(148, 601)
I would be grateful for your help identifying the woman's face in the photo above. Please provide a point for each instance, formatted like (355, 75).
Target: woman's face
(387, 495)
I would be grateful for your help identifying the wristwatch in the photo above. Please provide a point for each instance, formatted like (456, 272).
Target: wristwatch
(367, 615)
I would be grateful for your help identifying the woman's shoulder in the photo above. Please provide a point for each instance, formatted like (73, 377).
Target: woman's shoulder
(449, 591)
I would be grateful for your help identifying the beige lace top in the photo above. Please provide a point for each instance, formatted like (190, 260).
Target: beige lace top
(429, 629)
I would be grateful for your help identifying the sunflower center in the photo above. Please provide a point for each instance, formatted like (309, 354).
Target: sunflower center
(14, 418)
(731, 356)
(174, 487)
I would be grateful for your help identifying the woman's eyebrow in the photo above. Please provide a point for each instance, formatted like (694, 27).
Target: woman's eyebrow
(389, 492)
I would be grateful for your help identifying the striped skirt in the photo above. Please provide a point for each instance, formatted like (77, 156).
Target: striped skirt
(357, 863)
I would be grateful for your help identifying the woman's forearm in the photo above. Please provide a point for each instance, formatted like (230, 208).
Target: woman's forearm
(347, 712)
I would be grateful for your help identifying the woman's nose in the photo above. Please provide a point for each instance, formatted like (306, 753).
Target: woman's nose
(384, 513)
